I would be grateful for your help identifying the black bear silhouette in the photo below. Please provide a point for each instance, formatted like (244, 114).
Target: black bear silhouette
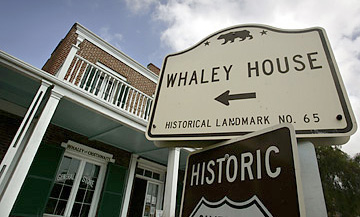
(238, 34)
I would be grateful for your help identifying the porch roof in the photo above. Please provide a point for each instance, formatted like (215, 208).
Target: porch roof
(77, 112)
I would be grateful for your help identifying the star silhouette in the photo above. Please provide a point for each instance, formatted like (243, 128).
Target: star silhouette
(207, 43)
(264, 32)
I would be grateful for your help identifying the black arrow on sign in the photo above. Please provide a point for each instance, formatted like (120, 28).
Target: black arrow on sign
(225, 97)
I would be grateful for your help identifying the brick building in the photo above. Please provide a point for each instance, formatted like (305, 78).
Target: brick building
(72, 135)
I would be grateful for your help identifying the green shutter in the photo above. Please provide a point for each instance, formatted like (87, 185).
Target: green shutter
(112, 195)
(36, 189)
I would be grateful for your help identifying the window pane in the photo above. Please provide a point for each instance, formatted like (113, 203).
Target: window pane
(63, 184)
(148, 173)
(65, 193)
(85, 210)
(56, 190)
(76, 209)
(139, 171)
(60, 208)
(83, 182)
(92, 183)
(65, 164)
(88, 197)
(72, 171)
(88, 169)
(80, 195)
(154, 190)
(150, 187)
(156, 176)
(89, 176)
(147, 210)
(95, 171)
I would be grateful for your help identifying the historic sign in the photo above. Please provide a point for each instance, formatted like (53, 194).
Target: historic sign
(256, 175)
(245, 78)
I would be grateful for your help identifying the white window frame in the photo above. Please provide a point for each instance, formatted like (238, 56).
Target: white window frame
(84, 158)
(153, 167)
(158, 196)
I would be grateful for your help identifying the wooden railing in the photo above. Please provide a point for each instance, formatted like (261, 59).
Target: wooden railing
(108, 87)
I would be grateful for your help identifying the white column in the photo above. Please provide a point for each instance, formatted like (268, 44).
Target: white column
(129, 185)
(171, 182)
(16, 147)
(64, 68)
(311, 182)
(11, 191)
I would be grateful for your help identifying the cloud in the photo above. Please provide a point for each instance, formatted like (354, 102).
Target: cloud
(112, 38)
(189, 21)
(138, 6)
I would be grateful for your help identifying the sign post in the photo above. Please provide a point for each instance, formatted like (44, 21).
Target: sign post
(245, 78)
(256, 175)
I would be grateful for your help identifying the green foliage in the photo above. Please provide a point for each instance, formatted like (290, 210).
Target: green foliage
(340, 177)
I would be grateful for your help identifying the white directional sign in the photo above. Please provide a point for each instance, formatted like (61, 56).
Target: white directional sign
(245, 78)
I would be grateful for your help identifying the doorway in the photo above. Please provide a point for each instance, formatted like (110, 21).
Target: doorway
(145, 198)
(147, 189)
(137, 198)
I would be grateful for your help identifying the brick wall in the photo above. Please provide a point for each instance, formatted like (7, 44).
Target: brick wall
(55, 135)
(58, 56)
(95, 54)
(9, 124)
(153, 68)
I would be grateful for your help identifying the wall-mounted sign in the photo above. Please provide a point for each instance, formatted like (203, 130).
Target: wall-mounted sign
(257, 175)
(76, 148)
(245, 78)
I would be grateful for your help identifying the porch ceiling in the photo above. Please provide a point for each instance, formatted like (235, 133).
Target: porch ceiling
(19, 89)
(95, 126)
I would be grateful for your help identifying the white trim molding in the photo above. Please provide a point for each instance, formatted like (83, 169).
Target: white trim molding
(85, 151)
(129, 185)
(146, 164)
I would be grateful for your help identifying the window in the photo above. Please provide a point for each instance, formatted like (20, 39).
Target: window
(85, 193)
(147, 173)
(73, 194)
(78, 182)
(63, 184)
(151, 199)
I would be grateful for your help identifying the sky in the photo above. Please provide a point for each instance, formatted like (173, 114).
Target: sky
(148, 30)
